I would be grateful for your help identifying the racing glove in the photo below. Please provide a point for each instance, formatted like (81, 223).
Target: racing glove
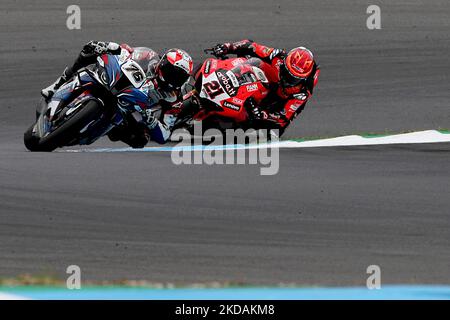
(151, 121)
(222, 49)
(100, 47)
(254, 111)
(158, 131)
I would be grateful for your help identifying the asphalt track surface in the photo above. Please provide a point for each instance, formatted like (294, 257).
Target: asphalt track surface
(327, 215)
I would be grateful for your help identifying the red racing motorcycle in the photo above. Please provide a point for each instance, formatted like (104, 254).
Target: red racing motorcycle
(223, 94)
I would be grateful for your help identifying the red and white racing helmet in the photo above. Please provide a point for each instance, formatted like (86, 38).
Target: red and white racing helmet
(297, 67)
(174, 69)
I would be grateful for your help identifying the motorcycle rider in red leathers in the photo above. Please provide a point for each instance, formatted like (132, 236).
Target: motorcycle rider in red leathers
(292, 76)
(165, 77)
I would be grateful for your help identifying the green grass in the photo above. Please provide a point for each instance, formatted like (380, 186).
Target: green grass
(40, 282)
(27, 280)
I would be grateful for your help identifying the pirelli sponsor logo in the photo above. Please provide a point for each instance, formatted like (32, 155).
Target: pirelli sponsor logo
(207, 67)
(231, 106)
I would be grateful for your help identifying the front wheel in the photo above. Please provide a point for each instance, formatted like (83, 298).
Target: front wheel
(66, 132)
(30, 140)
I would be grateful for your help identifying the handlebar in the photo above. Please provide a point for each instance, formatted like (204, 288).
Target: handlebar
(211, 52)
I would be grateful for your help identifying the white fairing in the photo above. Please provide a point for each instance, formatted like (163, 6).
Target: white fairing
(133, 71)
(53, 106)
(212, 78)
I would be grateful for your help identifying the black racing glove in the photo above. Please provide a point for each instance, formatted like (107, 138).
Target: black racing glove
(149, 118)
(222, 49)
(254, 111)
(99, 47)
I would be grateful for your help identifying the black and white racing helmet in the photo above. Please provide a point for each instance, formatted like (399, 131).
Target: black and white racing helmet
(174, 69)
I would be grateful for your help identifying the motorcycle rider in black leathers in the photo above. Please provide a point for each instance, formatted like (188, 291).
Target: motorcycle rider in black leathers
(165, 77)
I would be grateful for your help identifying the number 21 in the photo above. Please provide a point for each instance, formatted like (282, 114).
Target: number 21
(213, 89)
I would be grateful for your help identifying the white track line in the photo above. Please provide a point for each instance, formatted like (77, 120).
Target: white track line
(428, 136)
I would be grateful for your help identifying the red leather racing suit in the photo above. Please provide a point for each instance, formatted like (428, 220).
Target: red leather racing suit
(282, 105)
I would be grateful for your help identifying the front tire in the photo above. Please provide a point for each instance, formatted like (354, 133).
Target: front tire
(30, 140)
(65, 133)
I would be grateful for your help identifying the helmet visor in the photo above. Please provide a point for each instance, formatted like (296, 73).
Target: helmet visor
(173, 76)
(287, 79)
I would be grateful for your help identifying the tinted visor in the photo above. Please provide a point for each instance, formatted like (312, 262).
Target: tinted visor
(288, 80)
(173, 77)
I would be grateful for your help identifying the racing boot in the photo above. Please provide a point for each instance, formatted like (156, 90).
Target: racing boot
(136, 138)
(48, 92)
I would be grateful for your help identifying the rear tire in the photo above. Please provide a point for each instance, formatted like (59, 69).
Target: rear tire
(65, 133)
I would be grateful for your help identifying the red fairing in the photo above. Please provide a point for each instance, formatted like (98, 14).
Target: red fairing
(228, 84)
(105, 59)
